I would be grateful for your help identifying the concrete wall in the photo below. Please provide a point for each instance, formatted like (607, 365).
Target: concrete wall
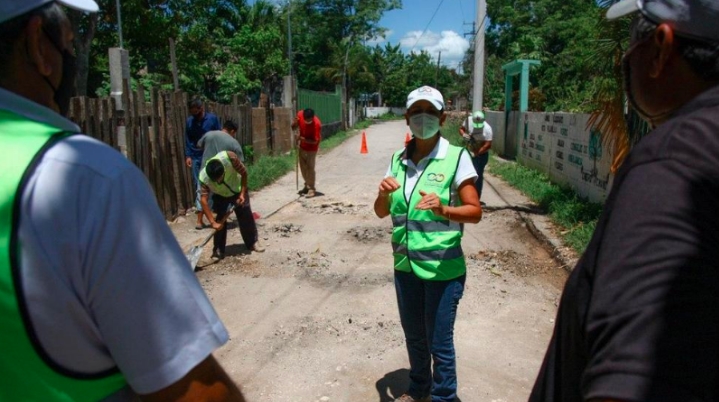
(371, 112)
(496, 121)
(561, 145)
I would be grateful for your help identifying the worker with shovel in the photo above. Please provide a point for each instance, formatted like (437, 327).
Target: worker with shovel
(226, 177)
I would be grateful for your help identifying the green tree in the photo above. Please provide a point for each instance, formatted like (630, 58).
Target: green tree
(559, 33)
(620, 131)
(249, 61)
(319, 25)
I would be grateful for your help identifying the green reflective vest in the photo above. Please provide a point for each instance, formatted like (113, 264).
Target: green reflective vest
(26, 372)
(423, 242)
(232, 181)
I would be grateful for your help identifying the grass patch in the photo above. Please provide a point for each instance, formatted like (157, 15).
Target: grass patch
(389, 116)
(450, 130)
(362, 124)
(340, 137)
(265, 169)
(576, 217)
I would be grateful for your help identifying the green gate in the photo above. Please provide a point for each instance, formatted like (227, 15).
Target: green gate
(327, 105)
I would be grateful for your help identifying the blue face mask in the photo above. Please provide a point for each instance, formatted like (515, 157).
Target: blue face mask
(424, 125)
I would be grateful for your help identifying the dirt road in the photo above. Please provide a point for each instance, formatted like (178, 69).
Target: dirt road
(314, 318)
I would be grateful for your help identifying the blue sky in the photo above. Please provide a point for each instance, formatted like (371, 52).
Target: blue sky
(445, 32)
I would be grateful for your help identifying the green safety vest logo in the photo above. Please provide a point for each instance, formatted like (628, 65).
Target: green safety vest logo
(435, 180)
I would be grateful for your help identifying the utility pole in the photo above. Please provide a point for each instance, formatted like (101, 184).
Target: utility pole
(345, 95)
(293, 102)
(473, 31)
(289, 34)
(436, 74)
(478, 74)
(119, 22)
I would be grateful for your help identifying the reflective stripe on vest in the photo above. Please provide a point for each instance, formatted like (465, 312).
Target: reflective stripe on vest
(232, 181)
(426, 226)
(27, 373)
(422, 242)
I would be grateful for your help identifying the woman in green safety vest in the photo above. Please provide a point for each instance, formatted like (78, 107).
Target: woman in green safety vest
(436, 196)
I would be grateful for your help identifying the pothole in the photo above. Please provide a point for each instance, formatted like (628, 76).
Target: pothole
(349, 328)
(370, 234)
(287, 229)
(333, 207)
(321, 270)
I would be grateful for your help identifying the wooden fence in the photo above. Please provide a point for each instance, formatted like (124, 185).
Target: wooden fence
(154, 136)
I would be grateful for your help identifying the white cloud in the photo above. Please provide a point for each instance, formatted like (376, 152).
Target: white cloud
(452, 45)
(380, 39)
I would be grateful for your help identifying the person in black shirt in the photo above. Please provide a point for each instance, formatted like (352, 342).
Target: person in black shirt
(639, 317)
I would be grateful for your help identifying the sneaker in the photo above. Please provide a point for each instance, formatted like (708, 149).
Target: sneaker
(310, 193)
(257, 247)
(217, 254)
(410, 398)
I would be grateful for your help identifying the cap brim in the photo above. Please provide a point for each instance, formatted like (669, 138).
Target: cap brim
(478, 125)
(624, 7)
(82, 5)
(437, 105)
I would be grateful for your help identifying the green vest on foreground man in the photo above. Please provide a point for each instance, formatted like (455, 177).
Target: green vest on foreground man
(18, 348)
(97, 301)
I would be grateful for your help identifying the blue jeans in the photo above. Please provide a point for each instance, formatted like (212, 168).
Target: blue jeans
(427, 310)
(479, 163)
(196, 167)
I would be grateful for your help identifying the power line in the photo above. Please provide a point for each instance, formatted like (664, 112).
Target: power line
(425, 28)
(481, 26)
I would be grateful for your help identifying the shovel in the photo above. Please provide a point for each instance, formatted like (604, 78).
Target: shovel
(193, 256)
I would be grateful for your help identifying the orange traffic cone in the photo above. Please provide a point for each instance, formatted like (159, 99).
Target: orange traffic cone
(363, 149)
(406, 140)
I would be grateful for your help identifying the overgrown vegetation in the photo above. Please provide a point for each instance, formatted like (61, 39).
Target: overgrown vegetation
(450, 129)
(576, 217)
(267, 168)
(389, 116)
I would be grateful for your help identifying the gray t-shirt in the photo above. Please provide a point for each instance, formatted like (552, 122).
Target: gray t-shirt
(105, 280)
(214, 142)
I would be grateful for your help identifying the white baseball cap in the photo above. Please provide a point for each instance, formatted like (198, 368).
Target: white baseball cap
(426, 93)
(693, 18)
(10, 9)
